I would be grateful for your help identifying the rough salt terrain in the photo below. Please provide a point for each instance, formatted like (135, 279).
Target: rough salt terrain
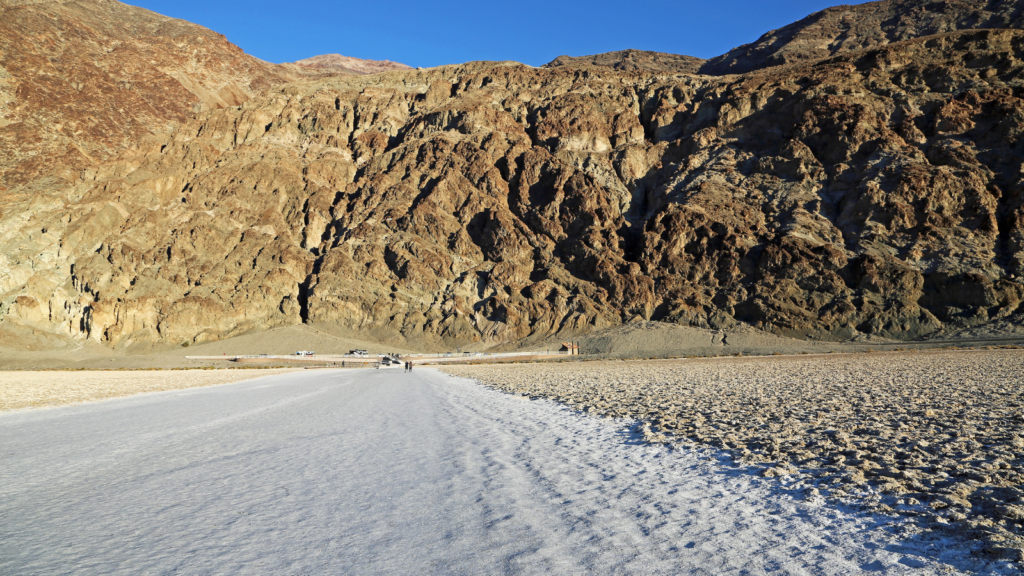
(938, 436)
(381, 472)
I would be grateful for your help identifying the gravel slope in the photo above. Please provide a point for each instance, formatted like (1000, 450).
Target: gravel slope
(380, 472)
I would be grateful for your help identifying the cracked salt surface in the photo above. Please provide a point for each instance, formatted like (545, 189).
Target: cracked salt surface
(381, 472)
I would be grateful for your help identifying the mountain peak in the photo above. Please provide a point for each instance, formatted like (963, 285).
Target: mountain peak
(357, 66)
(632, 59)
(846, 28)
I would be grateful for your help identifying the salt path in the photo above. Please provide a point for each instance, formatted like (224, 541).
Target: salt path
(383, 472)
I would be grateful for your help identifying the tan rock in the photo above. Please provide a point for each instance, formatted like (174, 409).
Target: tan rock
(489, 203)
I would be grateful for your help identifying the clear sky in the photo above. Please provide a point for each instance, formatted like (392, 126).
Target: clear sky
(454, 31)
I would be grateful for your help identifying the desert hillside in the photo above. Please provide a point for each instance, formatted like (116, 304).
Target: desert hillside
(347, 64)
(874, 192)
(633, 60)
(845, 28)
(83, 80)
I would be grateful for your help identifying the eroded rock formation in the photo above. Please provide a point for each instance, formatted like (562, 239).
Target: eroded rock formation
(872, 24)
(633, 60)
(347, 64)
(82, 80)
(877, 191)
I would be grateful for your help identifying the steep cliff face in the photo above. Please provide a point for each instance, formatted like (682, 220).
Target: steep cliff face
(879, 191)
(844, 28)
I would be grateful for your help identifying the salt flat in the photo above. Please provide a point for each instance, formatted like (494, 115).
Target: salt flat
(382, 472)
(46, 388)
(932, 435)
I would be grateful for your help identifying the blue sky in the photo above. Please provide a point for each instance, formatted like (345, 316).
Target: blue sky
(529, 31)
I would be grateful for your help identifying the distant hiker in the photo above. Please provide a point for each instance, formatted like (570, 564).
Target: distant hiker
(410, 366)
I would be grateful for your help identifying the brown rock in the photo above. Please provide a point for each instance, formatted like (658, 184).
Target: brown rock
(488, 203)
(83, 81)
(633, 60)
(870, 25)
(349, 65)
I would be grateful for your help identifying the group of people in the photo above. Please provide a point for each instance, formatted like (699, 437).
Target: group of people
(408, 366)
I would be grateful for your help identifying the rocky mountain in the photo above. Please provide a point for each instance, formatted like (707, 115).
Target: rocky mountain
(633, 60)
(845, 28)
(80, 81)
(347, 64)
(878, 191)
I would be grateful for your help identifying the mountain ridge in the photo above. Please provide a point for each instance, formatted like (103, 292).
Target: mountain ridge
(349, 64)
(631, 59)
(852, 27)
(81, 81)
(869, 192)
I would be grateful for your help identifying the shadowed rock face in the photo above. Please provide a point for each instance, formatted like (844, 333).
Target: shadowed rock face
(845, 28)
(879, 191)
(633, 60)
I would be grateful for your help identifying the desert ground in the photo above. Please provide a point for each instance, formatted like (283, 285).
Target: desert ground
(48, 388)
(25, 349)
(30, 350)
(869, 441)
(933, 435)
(383, 472)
